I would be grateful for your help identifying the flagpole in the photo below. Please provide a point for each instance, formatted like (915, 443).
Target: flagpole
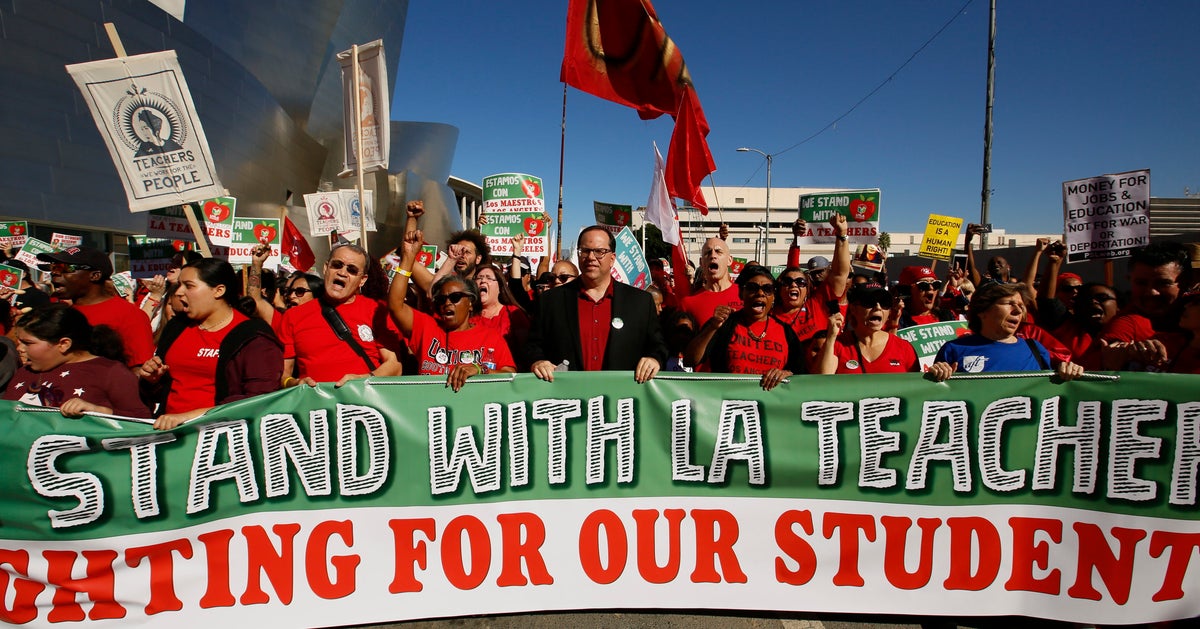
(562, 147)
(986, 194)
(358, 150)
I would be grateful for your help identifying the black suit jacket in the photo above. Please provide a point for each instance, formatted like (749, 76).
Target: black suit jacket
(555, 333)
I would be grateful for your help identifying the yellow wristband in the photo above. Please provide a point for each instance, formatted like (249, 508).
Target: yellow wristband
(404, 272)
(287, 382)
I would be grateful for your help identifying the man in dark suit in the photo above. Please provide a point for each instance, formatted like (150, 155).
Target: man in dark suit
(595, 323)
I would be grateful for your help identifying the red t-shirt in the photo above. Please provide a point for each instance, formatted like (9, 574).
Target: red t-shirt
(1186, 360)
(1128, 327)
(512, 323)
(703, 304)
(320, 354)
(99, 381)
(813, 315)
(898, 356)
(438, 351)
(192, 361)
(1058, 351)
(130, 323)
(1084, 348)
(750, 355)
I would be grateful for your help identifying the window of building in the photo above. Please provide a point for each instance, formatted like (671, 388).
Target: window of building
(738, 241)
(739, 199)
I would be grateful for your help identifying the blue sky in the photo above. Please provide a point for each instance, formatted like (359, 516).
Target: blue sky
(1082, 88)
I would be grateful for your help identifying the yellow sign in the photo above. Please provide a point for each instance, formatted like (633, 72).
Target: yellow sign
(941, 232)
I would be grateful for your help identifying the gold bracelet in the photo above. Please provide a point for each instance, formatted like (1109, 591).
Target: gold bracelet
(287, 381)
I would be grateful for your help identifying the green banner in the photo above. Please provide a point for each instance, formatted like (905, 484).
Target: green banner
(860, 207)
(396, 498)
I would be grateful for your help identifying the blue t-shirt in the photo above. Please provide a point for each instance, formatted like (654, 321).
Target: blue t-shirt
(975, 353)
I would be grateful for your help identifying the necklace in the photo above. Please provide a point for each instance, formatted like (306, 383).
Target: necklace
(224, 322)
(758, 337)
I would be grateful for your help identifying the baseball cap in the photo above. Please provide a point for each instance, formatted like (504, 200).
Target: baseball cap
(913, 274)
(872, 292)
(817, 263)
(1062, 277)
(80, 256)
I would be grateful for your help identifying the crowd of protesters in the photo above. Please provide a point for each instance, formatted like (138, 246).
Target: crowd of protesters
(206, 334)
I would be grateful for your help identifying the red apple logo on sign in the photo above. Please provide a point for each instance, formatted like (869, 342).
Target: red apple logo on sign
(534, 226)
(532, 188)
(264, 233)
(736, 267)
(424, 258)
(215, 212)
(862, 210)
(16, 229)
(8, 278)
(179, 245)
(621, 217)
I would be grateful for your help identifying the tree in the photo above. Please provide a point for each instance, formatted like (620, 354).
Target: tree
(885, 241)
(655, 247)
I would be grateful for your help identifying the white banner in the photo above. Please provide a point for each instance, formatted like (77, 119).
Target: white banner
(145, 114)
(1106, 217)
(374, 107)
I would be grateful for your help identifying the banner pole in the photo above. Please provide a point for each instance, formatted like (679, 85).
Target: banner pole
(201, 241)
(358, 151)
(562, 146)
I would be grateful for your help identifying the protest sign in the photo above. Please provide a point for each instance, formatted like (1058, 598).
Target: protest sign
(1106, 217)
(357, 219)
(30, 250)
(396, 498)
(144, 111)
(124, 283)
(630, 264)
(513, 203)
(928, 339)
(62, 241)
(513, 192)
(373, 109)
(216, 217)
(870, 257)
(501, 227)
(10, 276)
(150, 256)
(13, 234)
(613, 217)
(736, 265)
(324, 213)
(941, 235)
(248, 233)
(860, 207)
(169, 223)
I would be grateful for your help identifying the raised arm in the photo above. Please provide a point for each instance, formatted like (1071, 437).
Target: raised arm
(1039, 247)
(839, 269)
(972, 270)
(258, 256)
(401, 311)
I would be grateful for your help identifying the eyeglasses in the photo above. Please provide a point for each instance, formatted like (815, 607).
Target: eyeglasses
(299, 292)
(587, 252)
(799, 282)
(338, 265)
(924, 286)
(756, 287)
(1069, 288)
(566, 277)
(454, 298)
(62, 267)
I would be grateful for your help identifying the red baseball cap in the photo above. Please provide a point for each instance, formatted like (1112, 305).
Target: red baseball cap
(913, 274)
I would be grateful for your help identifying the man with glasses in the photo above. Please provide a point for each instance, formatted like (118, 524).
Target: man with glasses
(596, 323)
(921, 290)
(79, 275)
(1158, 274)
(341, 335)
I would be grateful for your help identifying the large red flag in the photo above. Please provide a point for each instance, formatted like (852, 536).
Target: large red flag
(619, 51)
(296, 247)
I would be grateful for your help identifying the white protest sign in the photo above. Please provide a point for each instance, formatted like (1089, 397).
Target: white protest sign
(144, 111)
(1106, 217)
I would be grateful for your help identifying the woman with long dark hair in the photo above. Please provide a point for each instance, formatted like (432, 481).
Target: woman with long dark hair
(215, 353)
(71, 365)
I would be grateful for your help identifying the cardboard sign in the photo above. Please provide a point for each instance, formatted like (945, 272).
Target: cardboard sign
(630, 265)
(1106, 217)
(216, 219)
(928, 339)
(860, 207)
(10, 276)
(870, 257)
(13, 234)
(941, 234)
(62, 241)
(150, 256)
(30, 250)
(613, 217)
(124, 283)
(248, 233)
(144, 111)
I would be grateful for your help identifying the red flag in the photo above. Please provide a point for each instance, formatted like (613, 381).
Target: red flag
(688, 159)
(296, 247)
(619, 51)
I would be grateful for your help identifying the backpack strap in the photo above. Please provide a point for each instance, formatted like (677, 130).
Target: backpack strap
(1036, 354)
(342, 331)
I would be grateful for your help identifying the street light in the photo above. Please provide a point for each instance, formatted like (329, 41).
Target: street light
(767, 238)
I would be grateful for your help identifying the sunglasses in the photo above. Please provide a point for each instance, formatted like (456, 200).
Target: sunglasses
(565, 277)
(924, 286)
(870, 300)
(1069, 288)
(454, 298)
(793, 281)
(1098, 298)
(299, 292)
(62, 267)
(755, 287)
(338, 265)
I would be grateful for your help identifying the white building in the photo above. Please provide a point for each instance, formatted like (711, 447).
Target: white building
(744, 210)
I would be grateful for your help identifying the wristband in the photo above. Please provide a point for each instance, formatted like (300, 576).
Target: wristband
(404, 272)
(287, 382)
(843, 238)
